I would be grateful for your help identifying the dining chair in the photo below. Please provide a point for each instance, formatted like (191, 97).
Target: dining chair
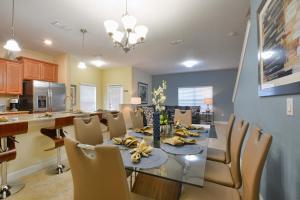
(137, 119)
(100, 177)
(220, 155)
(116, 125)
(223, 174)
(183, 116)
(253, 161)
(88, 130)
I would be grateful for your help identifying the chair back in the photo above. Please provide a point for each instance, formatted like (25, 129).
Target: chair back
(137, 119)
(253, 160)
(183, 116)
(101, 177)
(88, 130)
(237, 139)
(116, 125)
(228, 137)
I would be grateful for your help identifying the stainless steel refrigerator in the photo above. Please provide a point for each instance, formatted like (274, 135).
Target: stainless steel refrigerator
(41, 96)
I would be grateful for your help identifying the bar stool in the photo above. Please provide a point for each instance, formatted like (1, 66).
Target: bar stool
(8, 153)
(57, 134)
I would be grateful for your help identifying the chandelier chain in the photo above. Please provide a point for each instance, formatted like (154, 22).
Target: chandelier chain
(13, 19)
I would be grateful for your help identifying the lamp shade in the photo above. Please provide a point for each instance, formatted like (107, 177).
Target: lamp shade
(136, 100)
(118, 36)
(12, 45)
(133, 38)
(208, 101)
(141, 31)
(129, 22)
(110, 26)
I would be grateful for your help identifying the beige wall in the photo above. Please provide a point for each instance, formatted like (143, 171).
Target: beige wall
(141, 76)
(117, 76)
(91, 75)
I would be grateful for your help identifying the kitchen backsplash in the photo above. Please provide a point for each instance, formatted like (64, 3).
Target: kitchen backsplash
(4, 99)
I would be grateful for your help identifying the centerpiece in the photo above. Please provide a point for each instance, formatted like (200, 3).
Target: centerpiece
(159, 116)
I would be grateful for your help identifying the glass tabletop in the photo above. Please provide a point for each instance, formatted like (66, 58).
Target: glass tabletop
(188, 169)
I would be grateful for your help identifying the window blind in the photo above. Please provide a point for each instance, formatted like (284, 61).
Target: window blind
(194, 96)
(87, 98)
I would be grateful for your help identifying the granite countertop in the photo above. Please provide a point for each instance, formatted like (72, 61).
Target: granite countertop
(14, 112)
(40, 117)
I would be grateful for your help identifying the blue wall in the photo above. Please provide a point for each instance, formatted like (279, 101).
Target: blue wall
(221, 80)
(281, 177)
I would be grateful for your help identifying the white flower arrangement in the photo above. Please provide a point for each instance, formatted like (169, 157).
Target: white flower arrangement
(159, 97)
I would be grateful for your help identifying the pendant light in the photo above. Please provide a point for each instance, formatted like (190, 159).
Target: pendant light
(81, 64)
(12, 44)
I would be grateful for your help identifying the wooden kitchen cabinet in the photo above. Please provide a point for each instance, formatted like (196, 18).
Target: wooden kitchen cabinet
(14, 78)
(39, 70)
(2, 77)
(49, 72)
(32, 69)
(11, 77)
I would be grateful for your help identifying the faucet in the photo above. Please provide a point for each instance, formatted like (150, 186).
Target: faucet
(71, 102)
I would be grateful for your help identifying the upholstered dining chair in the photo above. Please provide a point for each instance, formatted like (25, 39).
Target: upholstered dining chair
(183, 116)
(220, 155)
(116, 125)
(88, 130)
(253, 160)
(223, 174)
(100, 177)
(137, 119)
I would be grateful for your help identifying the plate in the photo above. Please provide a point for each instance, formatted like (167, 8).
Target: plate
(156, 159)
(182, 150)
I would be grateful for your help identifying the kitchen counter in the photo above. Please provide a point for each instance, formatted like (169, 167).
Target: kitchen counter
(31, 152)
(14, 118)
(14, 113)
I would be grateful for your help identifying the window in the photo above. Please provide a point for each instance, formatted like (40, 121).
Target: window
(87, 98)
(114, 97)
(194, 96)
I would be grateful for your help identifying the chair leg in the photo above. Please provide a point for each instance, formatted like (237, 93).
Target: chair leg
(6, 189)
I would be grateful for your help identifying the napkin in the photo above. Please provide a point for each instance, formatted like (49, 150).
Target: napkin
(142, 150)
(179, 141)
(130, 141)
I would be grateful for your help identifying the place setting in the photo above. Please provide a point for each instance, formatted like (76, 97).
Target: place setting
(137, 153)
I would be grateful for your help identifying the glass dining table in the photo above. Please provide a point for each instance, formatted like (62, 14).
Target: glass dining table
(183, 168)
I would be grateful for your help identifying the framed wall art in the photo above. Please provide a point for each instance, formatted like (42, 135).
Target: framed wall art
(279, 47)
(143, 92)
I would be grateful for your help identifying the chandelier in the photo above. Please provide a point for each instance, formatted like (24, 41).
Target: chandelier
(130, 36)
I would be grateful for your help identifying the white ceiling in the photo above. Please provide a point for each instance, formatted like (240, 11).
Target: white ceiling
(202, 24)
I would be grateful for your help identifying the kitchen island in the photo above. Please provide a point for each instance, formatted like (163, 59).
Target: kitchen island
(31, 154)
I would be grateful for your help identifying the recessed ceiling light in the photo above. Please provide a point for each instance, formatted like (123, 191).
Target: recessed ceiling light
(190, 63)
(48, 42)
(176, 42)
(98, 63)
(232, 34)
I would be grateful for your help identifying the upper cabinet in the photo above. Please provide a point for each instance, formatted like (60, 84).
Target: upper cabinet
(2, 76)
(11, 76)
(39, 70)
(14, 81)
(49, 72)
(32, 69)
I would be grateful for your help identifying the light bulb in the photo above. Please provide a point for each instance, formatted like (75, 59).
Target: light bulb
(82, 65)
(129, 22)
(141, 31)
(118, 36)
(110, 26)
(12, 45)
